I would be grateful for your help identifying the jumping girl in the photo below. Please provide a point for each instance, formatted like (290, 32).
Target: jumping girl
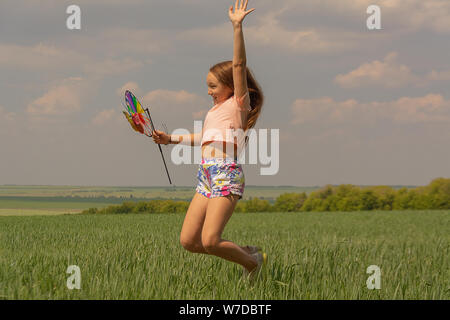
(238, 100)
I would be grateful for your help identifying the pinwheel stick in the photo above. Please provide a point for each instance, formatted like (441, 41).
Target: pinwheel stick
(160, 150)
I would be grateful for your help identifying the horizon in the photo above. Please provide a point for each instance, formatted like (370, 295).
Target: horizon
(250, 186)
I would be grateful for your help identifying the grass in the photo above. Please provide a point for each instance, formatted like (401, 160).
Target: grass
(311, 256)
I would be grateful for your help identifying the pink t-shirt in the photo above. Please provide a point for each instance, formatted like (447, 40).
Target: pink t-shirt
(232, 115)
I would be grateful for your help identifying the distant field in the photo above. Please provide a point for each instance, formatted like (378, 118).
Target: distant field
(52, 203)
(36, 212)
(48, 206)
(311, 256)
(95, 192)
(52, 200)
(270, 193)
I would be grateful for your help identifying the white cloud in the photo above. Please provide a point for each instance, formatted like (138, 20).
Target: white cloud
(38, 57)
(44, 57)
(304, 41)
(432, 108)
(402, 15)
(107, 116)
(62, 99)
(387, 73)
(431, 14)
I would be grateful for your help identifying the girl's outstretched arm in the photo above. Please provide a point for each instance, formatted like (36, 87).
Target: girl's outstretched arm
(239, 56)
(192, 139)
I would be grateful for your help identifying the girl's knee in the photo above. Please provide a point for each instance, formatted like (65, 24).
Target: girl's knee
(190, 245)
(210, 243)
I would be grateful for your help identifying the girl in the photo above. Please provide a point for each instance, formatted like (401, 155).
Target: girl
(237, 104)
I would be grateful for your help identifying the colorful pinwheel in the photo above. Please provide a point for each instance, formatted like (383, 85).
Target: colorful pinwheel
(140, 120)
(136, 115)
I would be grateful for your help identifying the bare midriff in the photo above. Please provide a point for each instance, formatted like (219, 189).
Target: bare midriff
(219, 149)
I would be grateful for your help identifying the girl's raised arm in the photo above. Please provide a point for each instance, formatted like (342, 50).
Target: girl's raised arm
(239, 56)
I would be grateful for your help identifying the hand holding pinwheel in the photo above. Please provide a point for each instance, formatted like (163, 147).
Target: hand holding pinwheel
(161, 137)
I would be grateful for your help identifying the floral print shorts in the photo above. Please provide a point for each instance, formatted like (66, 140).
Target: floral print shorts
(218, 177)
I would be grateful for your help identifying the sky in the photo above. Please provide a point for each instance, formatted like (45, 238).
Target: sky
(350, 105)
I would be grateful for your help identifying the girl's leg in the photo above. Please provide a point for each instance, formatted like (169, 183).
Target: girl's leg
(190, 237)
(218, 212)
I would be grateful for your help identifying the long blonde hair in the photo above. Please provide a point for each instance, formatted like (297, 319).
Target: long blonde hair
(223, 71)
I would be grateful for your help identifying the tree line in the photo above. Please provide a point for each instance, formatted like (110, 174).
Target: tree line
(345, 197)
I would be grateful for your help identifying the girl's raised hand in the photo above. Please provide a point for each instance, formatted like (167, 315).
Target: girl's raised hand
(239, 13)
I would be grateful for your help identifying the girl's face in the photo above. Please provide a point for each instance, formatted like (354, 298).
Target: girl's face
(218, 91)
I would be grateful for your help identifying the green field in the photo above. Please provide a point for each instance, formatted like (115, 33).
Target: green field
(311, 256)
